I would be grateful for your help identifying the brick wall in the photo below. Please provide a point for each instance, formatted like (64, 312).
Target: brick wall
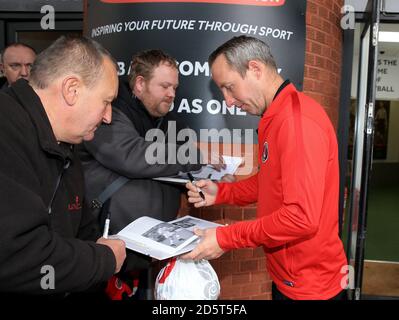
(323, 54)
(242, 273)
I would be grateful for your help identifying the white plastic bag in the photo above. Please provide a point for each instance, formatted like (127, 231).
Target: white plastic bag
(187, 280)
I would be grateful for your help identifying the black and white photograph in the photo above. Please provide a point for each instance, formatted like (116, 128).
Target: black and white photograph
(185, 223)
(168, 234)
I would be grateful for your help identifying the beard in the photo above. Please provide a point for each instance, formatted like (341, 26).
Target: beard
(162, 108)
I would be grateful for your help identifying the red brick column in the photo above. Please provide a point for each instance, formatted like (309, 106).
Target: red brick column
(242, 273)
(324, 54)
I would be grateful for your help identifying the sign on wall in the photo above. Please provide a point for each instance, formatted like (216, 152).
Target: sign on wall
(387, 80)
(190, 31)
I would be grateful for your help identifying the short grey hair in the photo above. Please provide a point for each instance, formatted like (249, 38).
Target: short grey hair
(69, 55)
(238, 51)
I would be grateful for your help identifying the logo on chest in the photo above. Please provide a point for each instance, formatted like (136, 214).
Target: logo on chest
(75, 206)
(265, 152)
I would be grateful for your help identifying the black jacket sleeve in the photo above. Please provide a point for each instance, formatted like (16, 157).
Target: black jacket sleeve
(28, 246)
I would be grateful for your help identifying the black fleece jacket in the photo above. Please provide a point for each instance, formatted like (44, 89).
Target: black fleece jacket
(43, 219)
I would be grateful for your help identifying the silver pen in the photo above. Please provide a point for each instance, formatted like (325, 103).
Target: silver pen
(106, 225)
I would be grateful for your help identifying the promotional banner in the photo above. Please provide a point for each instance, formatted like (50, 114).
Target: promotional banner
(190, 31)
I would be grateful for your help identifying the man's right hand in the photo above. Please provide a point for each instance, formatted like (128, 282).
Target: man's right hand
(208, 188)
(118, 248)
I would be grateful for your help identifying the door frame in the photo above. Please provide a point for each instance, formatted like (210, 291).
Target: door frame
(363, 140)
(11, 22)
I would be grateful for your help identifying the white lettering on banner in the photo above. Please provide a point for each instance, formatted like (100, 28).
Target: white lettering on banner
(173, 24)
(212, 106)
(187, 68)
(387, 80)
(190, 25)
(107, 29)
(121, 68)
(227, 27)
(137, 25)
(275, 33)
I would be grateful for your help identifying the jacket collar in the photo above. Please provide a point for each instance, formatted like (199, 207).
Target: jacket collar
(283, 85)
(30, 101)
(275, 106)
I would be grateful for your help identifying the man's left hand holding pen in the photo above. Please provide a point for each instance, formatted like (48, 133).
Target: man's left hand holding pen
(117, 246)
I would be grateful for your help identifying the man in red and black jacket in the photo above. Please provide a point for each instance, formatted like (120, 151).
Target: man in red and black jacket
(296, 187)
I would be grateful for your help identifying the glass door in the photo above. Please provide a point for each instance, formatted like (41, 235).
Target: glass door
(363, 144)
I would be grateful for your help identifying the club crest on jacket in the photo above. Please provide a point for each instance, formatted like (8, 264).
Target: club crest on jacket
(265, 152)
